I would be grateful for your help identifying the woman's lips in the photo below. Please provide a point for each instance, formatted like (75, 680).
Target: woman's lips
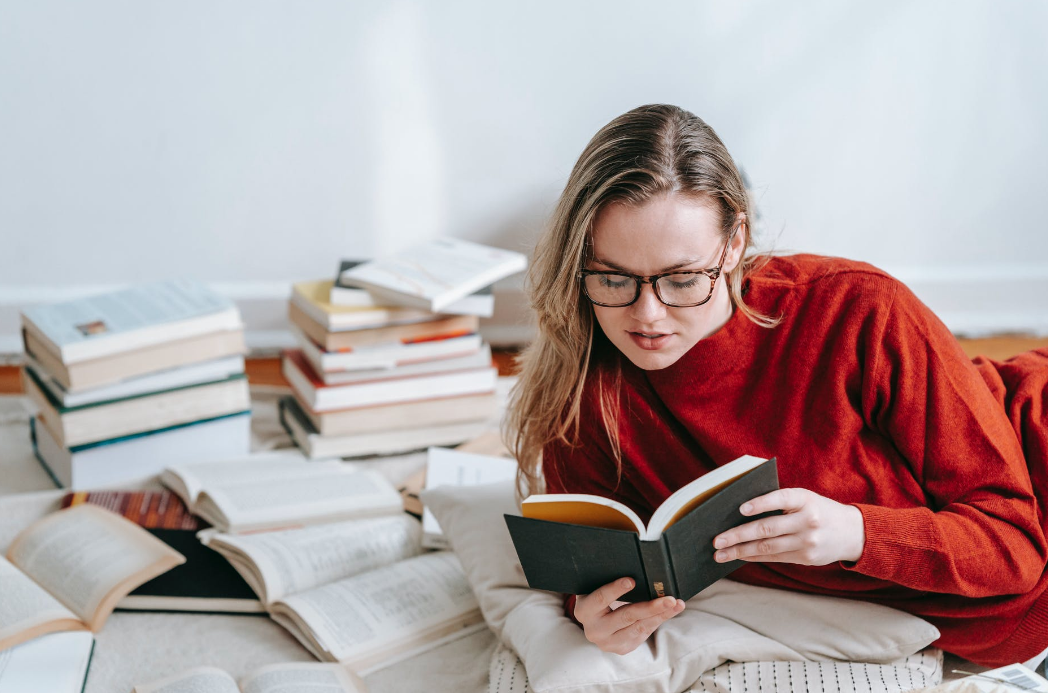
(648, 341)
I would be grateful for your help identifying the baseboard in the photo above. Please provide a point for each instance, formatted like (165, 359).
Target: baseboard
(972, 302)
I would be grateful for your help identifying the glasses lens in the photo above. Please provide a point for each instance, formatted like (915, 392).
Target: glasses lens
(611, 289)
(684, 289)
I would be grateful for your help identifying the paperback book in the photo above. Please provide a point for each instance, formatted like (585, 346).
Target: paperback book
(67, 571)
(344, 293)
(575, 543)
(434, 275)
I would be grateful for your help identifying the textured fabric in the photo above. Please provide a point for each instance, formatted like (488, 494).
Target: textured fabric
(919, 670)
(866, 398)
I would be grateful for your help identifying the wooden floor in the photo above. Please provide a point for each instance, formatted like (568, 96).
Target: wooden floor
(266, 371)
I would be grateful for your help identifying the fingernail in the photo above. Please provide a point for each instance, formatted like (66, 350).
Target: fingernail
(668, 602)
(746, 508)
(720, 556)
(627, 583)
(680, 605)
(720, 543)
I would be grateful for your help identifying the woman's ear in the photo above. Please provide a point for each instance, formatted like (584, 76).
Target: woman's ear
(738, 243)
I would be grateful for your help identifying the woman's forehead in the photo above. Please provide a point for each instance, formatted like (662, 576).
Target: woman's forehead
(662, 234)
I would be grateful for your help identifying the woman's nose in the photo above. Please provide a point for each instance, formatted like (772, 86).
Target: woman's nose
(648, 308)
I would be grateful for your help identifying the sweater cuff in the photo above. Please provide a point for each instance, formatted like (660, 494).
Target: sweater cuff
(569, 608)
(880, 556)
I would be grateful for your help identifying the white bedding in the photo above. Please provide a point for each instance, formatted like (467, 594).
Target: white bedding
(139, 647)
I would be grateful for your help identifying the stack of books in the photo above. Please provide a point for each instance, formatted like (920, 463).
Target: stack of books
(390, 358)
(129, 382)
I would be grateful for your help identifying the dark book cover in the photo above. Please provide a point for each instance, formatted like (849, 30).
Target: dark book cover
(577, 559)
(205, 582)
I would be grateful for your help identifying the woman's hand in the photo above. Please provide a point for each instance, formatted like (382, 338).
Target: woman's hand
(813, 530)
(619, 627)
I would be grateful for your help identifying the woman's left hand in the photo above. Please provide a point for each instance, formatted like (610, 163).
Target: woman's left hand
(813, 530)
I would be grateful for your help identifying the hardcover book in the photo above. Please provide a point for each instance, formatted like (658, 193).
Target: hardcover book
(205, 582)
(436, 274)
(576, 543)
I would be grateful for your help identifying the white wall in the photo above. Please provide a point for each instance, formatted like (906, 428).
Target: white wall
(253, 143)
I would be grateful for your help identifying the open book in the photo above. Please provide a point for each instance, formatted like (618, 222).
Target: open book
(575, 543)
(357, 592)
(67, 571)
(274, 678)
(279, 490)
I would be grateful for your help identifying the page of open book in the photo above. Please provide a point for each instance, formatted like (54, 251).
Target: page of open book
(27, 610)
(374, 613)
(302, 678)
(88, 558)
(296, 560)
(198, 680)
(53, 663)
(188, 480)
(319, 494)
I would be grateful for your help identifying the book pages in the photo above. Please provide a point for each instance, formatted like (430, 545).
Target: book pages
(198, 680)
(27, 611)
(312, 494)
(295, 560)
(88, 558)
(187, 480)
(54, 663)
(379, 614)
(302, 678)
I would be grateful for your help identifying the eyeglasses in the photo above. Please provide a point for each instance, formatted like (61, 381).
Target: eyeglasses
(678, 289)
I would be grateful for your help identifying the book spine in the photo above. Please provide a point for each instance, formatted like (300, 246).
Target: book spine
(656, 558)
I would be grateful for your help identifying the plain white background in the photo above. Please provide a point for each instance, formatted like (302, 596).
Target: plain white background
(253, 143)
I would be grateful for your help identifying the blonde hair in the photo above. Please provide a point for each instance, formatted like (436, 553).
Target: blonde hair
(649, 151)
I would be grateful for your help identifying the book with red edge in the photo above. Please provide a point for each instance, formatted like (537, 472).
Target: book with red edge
(206, 582)
(320, 396)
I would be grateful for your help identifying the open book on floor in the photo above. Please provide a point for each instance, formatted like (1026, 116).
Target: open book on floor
(274, 678)
(575, 543)
(280, 490)
(358, 592)
(52, 663)
(205, 582)
(67, 571)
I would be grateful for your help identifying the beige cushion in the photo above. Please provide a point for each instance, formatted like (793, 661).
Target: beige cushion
(729, 621)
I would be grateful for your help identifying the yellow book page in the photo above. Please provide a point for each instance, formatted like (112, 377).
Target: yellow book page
(697, 501)
(578, 512)
(319, 294)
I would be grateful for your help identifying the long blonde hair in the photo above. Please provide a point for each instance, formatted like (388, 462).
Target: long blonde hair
(646, 152)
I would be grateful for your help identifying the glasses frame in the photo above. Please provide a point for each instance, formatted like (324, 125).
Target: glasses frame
(713, 273)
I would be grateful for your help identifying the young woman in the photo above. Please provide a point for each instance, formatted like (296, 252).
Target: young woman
(665, 349)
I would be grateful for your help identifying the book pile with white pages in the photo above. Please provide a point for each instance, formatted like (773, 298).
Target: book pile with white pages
(389, 357)
(132, 381)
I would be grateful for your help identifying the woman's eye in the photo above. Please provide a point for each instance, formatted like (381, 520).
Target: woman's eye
(683, 281)
(614, 281)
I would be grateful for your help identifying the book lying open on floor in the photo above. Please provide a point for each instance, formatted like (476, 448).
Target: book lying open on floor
(205, 582)
(575, 543)
(387, 614)
(67, 571)
(295, 677)
(280, 491)
(52, 663)
(434, 275)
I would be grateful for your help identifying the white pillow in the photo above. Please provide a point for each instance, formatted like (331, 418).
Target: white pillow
(728, 621)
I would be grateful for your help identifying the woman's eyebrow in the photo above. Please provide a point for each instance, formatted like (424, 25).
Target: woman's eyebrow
(613, 266)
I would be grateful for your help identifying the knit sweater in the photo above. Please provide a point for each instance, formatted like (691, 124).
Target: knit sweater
(865, 398)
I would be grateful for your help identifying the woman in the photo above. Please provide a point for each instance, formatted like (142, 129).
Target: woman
(665, 349)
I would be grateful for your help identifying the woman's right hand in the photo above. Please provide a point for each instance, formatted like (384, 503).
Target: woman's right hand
(620, 627)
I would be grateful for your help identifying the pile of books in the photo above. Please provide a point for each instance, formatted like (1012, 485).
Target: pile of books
(390, 357)
(129, 382)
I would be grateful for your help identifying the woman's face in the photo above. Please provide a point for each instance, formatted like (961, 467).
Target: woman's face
(670, 232)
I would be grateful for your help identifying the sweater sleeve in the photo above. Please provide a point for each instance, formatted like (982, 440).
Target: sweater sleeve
(979, 534)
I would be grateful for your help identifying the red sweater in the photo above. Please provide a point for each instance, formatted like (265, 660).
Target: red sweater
(865, 398)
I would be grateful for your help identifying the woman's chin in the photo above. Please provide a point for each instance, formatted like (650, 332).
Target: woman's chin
(652, 360)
